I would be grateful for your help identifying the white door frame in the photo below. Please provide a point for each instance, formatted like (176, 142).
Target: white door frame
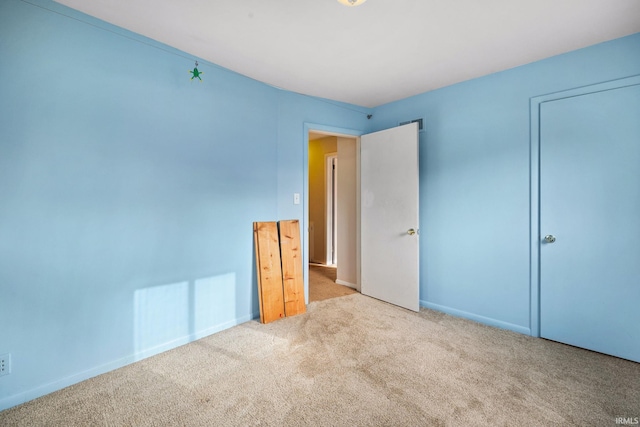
(329, 131)
(331, 187)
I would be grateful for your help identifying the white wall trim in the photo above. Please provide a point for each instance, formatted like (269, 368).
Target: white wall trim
(330, 201)
(40, 391)
(347, 284)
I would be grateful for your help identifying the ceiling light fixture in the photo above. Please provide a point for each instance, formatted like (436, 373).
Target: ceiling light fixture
(352, 2)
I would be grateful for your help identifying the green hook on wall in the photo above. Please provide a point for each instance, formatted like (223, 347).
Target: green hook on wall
(196, 73)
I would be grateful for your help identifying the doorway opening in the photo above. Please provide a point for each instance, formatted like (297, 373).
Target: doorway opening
(332, 215)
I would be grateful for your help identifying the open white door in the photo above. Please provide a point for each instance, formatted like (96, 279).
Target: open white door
(389, 216)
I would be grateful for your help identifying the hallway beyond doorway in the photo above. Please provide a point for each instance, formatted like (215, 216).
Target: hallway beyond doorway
(322, 283)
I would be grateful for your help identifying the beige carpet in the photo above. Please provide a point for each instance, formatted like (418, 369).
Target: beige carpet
(322, 284)
(353, 361)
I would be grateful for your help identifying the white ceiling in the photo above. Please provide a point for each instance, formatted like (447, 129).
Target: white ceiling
(376, 53)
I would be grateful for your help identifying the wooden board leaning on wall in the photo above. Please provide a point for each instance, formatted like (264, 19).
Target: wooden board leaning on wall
(279, 269)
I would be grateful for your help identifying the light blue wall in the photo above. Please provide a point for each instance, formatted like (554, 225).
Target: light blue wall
(474, 180)
(128, 192)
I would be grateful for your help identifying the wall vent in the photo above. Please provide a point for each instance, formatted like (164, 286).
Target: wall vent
(419, 121)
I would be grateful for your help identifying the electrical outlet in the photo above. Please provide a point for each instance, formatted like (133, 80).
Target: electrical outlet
(5, 364)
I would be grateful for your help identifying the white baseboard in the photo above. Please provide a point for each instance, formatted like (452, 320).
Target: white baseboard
(343, 283)
(42, 390)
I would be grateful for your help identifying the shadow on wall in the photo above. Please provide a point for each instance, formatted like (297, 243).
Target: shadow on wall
(169, 315)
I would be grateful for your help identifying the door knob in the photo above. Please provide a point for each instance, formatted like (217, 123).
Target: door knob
(411, 232)
(549, 238)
